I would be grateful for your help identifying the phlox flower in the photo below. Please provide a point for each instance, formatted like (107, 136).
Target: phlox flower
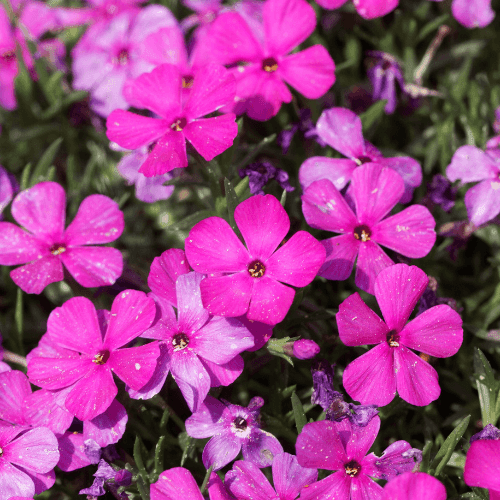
(113, 479)
(341, 129)
(27, 460)
(374, 377)
(260, 173)
(200, 350)
(246, 482)
(342, 447)
(160, 92)
(472, 13)
(471, 164)
(482, 466)
(90, 345)
(232, 429)
(374, 190)
(250, 280)
(178, 482)
(263, 66)
(369, 9)
(414, 486)
(45, 245)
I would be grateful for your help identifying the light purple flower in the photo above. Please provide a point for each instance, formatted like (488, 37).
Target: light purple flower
(482, 466)
(232, 428)
(489, 432)
(471, 164)
(414, 486)
(201, 351)
(112, 478)
(260, 173)
(91, 346)
(251, 280)
(160, 92)
(369, 9)
(341, 129)
(440, 192)
(8, 187)
(45, 245)
(374, 190)
(392, 366)
(246, 481)
(341, 447)
(268, 64)
(27, 460)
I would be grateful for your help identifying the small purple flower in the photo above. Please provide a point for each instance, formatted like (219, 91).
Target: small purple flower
(8, 187)
(384, 71)
(341, 447)
(305, 125)
(341, 129)
(112, 478)
(246, 481)
(45, 245)
(441, 192)
(332, 402)
(375, 190)
(261, 173)
(414, 485)
(375, 376)
(482, 466)
(250, 279)
(490, 432)
(232, 428)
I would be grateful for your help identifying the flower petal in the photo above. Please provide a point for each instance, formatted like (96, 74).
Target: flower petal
(35, 276)
(336, 486)
(168, 153)
(14, 482)
(227, 295)
(289, 477)
(18, 246)
(470, 164)
(397, 290)
(206, 421)
(371, 261)
(358, 324)
(337, 170)
(417, 380)
(341, 252)
(370, 379)
(370, 9)
(108, 427)
(483, 202)
(415, 486)
(261, 448)
(225, 373)
(362, 438)
(51, 373)
(473, 14)
(364, 488)
(192, 316)
(482, 467)
(246, 482)
(99, 220)
(175, 483)
(220, 450)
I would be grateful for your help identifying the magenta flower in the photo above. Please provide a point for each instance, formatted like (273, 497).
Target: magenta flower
(375, 191)
(45, 245)
(342, 447)
(414, 486)
(91, 349)
(369, 9)
(374, 377)
(246, 481)
(200, 351)
(232, 428)
(482, 466)
(470, 164)
(179, 483)
(267, 65)
(251, 280)
(160, 92)
(473, 13)
(27, 461)
(341, 129)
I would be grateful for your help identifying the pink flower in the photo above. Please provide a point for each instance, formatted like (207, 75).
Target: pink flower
(268, 64)
(414, 486)
(482, 466)
(45, 245)
(341, 447)
(369, 9)
(473, 13)
(341, 129)
(90, 349)
(160, 92)
(250, 280)
(374, 191)
(201, 351)
(374, 377)
(470, 164)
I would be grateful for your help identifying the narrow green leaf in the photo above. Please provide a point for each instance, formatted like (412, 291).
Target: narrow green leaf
(205, 480)
(283, 198)
(45, 162)
(432, 26)
(486, 387)
(25, 177)
(426, 457)
(190, 220)
(298, 413)
(19, 320)
(372, 114)
(232, 202)
(159, 454)
(447, 448)
(186, 442)
(255, 151)
(289, 391)
(143, 479)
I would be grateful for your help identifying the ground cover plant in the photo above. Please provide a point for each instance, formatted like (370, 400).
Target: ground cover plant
(249, 249)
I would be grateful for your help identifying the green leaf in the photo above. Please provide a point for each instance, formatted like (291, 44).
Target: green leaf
(432, 26)
(143, 479)
(486, 387)
(19, 320)
(189, 221)
(461, 82)
(43, 165)
(447, 448)
(232, 202)
(298, 413)
(255, 151)
(283, 198)
(25, 177)
(186, 443)
(373, 114)
(426, 457)
(159, 455)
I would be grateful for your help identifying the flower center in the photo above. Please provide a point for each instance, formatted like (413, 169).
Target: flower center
(8, 55)
(362, 233)
(187, 82)
(256, 269)
(386, 65)
(393, 338)
(122, 57)
(270, 64)
(352, 468)
(101, 357)
(240, 423)
(178, 124)
(180, 341)
(57, 248)
(361, 160)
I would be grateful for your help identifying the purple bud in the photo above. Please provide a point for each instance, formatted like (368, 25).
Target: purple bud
(305, 349)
